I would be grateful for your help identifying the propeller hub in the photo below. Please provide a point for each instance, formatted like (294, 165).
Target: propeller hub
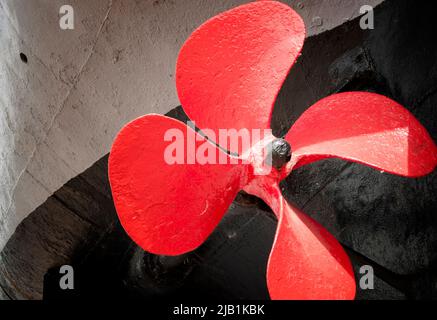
(280, 151)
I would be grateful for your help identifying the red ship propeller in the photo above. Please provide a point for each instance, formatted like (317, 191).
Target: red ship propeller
(229, 73)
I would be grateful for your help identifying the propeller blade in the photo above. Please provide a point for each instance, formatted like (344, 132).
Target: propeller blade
(306, 261)
(169, 209)
(231, 69)
(367, 128)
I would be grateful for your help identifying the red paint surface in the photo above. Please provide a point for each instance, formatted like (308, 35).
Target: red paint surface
(166, 209)
(306, 261)
(228, 75)
(367, 128)
(231, 69)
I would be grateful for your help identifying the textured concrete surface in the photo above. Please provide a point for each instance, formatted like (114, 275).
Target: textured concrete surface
(386, 221)
(60, 111)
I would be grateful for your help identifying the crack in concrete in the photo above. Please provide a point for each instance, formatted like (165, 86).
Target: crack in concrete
(55, 117)
(32, 54)
(3, 289)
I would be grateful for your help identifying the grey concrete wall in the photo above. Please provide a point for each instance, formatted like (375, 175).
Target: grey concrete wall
(386, 221)
(60, 111)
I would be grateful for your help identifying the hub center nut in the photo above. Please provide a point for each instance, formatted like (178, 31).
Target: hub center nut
(279, 153)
